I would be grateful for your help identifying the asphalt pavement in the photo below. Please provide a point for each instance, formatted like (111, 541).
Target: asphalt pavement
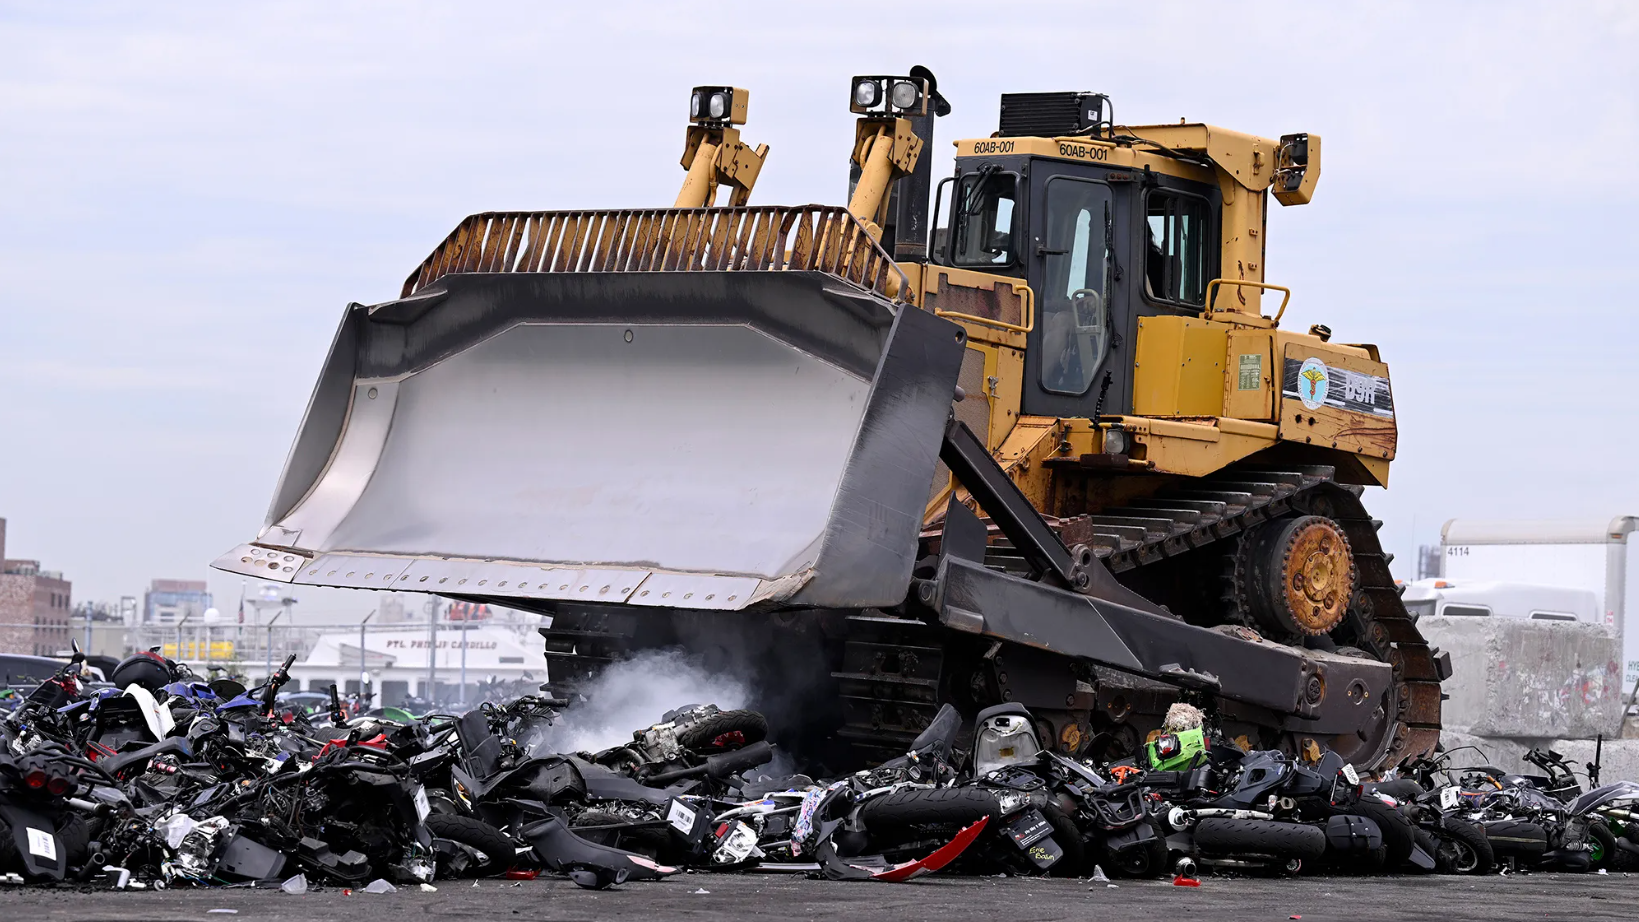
(939, 899)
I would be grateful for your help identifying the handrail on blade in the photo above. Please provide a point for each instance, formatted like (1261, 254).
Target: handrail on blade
(760, 238)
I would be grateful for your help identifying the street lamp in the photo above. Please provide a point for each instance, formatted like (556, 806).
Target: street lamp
(432, 649)
(364, 678)
(270, 641)
(464, 625)
(184, 620)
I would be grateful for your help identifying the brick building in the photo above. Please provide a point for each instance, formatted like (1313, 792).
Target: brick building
(34, 606)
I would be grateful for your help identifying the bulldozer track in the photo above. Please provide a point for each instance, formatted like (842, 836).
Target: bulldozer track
(892, 667)
(887, 704)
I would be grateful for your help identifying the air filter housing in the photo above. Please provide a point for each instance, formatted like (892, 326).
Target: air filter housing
(1052, 115)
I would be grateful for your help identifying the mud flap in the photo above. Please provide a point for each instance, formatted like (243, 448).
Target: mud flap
(37, 842)
(565, 852)
(836, 868)
(688, 440)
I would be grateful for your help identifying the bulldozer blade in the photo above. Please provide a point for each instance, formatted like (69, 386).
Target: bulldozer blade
(692, 440)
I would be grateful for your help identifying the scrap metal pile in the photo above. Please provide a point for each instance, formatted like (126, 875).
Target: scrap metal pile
(164, 780)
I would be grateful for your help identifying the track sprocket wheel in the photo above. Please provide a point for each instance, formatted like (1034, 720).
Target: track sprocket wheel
(1295, 576)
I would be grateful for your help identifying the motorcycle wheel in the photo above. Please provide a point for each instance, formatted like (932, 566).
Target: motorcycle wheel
(497, 850)
(1517, 839)
(1216, 835)
(1602, 843)
(76, 838)
(9, 859)
(704, 734)
(1463, 849)
(645, 840)
(927, 807)
(1143, 861)
(1069, 839)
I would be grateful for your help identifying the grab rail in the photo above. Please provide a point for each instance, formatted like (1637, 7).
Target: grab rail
(820, 238)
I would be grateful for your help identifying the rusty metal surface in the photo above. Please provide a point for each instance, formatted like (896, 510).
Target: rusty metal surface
(745, 239)
(997, 302)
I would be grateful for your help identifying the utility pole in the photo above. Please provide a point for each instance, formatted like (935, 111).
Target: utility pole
(270, 641)
(464, 625)
(182, 621)
(432, 648)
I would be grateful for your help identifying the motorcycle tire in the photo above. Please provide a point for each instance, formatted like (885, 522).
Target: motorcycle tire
(1603, 844)
(1215, 835)
(900, 810)
(497, 850)
(1517, 839)
(1068, 836)
(1399, 834)
(1463, 848)
(648, 840)
(9, 859)
(1148, 860)
(704, 734)
(1623, 860)
(75, 836)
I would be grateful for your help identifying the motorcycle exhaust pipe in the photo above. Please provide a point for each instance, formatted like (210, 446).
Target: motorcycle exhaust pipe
(721, 765)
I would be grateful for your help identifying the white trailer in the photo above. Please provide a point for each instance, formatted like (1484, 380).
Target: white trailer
(1575, 555)
(1448, 597)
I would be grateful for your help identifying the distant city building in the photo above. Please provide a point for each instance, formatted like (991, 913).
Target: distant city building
(168, 601)
(392, 608)
(1429, 557)
(34, 606)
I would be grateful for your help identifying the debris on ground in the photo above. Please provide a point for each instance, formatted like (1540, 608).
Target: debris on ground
(173, 780)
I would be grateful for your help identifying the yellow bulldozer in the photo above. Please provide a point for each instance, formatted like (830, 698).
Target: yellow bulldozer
(1031, 434)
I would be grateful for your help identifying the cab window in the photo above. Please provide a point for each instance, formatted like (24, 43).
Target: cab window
(983, 213)
(1074, 321)
(1175, 265)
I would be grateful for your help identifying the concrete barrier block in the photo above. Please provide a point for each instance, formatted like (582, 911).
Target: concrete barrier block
(1529, 679)
(1506, 754)
(1619, 761)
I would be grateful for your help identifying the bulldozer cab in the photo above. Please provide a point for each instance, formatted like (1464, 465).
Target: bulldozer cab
(1099, 247)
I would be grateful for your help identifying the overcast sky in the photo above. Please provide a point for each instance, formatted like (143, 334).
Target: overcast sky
(190, 193)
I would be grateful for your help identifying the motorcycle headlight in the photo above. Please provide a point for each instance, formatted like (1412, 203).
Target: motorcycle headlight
(1011, 802)
(1003, 740)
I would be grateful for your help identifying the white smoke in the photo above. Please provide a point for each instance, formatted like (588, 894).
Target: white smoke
(632, 694)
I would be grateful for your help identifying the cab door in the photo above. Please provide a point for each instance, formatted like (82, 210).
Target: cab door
(1071, 270)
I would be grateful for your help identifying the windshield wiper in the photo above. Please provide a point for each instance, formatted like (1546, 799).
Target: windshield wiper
(972, 203)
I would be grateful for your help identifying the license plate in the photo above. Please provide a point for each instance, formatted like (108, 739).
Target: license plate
(1449, 798)
(1044, 854)
(681, 818)
(42, 844)
(1350, 775)
(422, 808)
(1028, 828)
